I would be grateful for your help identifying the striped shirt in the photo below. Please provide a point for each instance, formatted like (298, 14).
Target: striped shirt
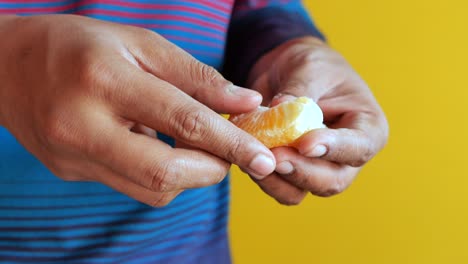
(46, 220)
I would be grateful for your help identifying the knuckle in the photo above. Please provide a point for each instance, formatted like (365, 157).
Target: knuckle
(86, 68)
(191, 125)
(161, 177)
(236, 148)
(207, 74)
(94, 74)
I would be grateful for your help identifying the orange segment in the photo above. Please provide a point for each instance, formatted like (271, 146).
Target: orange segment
(282, 124)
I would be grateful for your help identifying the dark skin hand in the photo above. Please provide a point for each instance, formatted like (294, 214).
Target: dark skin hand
(324, 161)
(86, 97)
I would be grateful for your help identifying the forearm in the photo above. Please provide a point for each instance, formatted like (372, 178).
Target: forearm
(254, 33)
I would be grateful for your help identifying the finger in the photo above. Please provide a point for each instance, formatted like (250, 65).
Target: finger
(343, 145)
(161, 106)
(358, 131)
(359, 126)
(149, 162)
(281, 190)
(123, 185)
(320, 177)
(202, 82)
(158, 167)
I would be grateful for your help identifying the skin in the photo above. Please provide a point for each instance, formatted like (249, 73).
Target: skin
(86, 97)
(87, 105)
(323, 162)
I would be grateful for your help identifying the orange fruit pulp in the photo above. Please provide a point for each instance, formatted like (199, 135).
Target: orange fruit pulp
(282, 124)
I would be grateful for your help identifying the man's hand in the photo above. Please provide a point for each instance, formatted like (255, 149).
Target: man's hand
(324, 161)
(86, 97)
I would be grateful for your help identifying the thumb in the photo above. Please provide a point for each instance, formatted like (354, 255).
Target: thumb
(342, 145)
(202, 82)
(355, 140)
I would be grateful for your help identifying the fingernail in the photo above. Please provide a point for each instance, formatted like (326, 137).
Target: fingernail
(261, 166)
(317, 151)
(284, 167)
(239, 91)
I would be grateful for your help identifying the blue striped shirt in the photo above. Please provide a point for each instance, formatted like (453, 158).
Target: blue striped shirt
(44, 219)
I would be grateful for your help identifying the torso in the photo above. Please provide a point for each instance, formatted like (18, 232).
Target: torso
(44, 219)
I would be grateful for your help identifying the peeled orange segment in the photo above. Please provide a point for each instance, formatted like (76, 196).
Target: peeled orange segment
(282, 124)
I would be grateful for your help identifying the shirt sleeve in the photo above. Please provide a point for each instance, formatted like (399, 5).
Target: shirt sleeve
(257, 26)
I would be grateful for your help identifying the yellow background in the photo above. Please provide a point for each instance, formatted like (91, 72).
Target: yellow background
(410, 204)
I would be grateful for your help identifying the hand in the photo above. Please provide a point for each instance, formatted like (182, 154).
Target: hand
(324, 161)
(86, 96)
